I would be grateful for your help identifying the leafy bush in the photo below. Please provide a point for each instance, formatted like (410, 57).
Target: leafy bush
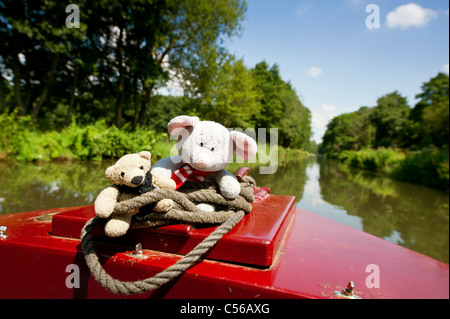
(369, 159)
(428, 167)
(20, 141)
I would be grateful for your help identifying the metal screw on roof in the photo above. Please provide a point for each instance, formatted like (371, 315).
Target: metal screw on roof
(347, 293)
(2, 232)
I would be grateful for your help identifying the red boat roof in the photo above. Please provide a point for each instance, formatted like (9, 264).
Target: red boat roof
(254, 242)
(305, 256)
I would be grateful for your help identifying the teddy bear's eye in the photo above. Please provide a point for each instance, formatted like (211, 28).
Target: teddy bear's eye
(142, 167)
(122, 174)
(212, 150)
(201, 144)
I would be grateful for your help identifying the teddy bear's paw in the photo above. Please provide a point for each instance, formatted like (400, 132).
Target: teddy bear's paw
(164, 205)
(105, 202)
(116, 228)
(164, 182)
(206, 207)
(103, 211)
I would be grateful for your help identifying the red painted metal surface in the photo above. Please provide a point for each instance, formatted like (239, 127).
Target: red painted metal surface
(314, 258)
(254, 242)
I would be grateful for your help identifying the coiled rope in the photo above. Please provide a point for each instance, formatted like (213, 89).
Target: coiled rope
(185, 211)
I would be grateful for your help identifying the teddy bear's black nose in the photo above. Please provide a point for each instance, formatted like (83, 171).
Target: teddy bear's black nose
(137, 180)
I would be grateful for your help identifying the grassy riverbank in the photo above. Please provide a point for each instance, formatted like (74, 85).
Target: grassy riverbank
(429, 167)
(21, 141)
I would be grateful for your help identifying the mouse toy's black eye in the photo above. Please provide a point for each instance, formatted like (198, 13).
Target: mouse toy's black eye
(201, 144)
(142, 167)
(212, 150)
(122, 174)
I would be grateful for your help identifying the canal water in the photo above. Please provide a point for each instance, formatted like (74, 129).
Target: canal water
(410, 215)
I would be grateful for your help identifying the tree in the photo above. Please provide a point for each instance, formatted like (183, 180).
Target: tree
(113, 65)
(162, 110)
(192, 46)
(231, 99)
(269, 86)
(280, 107)
(120, 54)
(338, 135)
(121, 37)
(35, 43)
(350, 131)
(431, 113)
(295, 125)
(390, 117)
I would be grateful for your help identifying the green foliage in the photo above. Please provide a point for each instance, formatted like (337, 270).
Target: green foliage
(431, 114)
(381, 126)
(108, 71)
(428, 167)
(162, 110)
(280, 107)
(269, 86)
(380, 160)
(91, 142)
(239, 98)
(350, 131)
(295, 124)
(390, 117)
(312, 147)
(114, 62)
(231, 98)
(393, 124)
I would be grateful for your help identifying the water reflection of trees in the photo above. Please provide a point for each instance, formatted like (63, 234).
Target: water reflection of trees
(289, 179)
(413, 216)
(410, 215)
(28, 186)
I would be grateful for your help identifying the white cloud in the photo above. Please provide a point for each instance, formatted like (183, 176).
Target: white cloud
(356, 2)
(321, 119)
(445, 68)
(314, 72)
(304, 8)
(410, 15)
(329, 109)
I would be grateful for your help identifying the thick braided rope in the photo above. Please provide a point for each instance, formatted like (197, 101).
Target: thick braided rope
(187, 212)
(171, 273)
(187, 197)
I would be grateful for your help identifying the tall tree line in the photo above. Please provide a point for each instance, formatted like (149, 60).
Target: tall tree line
(123, 52)
(257, 97)
(111, 65)
(393, 123)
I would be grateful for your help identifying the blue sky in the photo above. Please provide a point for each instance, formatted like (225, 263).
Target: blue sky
(334, 61)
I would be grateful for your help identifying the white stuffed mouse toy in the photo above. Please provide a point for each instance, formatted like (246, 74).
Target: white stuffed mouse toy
(205, 148)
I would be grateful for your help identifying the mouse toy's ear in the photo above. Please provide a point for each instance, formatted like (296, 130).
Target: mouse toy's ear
(182, 122)
(244, 145)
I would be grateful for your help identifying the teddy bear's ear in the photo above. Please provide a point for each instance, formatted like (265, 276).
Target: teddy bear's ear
(109, 172)
(244, 145)
(145, 154)
(179, 123)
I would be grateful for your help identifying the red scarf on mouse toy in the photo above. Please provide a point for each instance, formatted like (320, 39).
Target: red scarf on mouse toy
(187, 172)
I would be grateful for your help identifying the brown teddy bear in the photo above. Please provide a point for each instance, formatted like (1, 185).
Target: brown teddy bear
(131, 177)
